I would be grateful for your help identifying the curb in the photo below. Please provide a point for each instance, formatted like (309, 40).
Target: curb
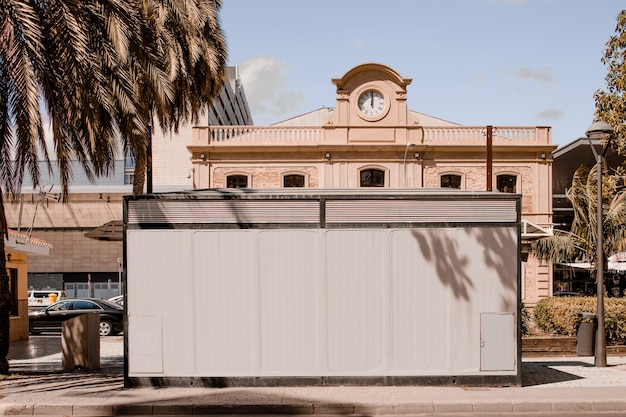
(318, 409)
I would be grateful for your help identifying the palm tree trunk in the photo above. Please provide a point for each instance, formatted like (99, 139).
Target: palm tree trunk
(5, 297)
(140, 172)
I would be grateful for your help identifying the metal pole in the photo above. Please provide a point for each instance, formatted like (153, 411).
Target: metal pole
(600, 354)
(119, 276)
(598, 130)
(406, 150)
(489, 158)
(149, 160)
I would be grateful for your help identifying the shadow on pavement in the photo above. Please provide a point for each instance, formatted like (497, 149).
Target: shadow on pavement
(540, 373)
(36, 365)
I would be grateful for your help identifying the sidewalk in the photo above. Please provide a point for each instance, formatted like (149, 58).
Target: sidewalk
(38, 386)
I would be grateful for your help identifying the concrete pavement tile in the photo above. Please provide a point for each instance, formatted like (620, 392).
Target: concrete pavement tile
(212, 409)
(271, 409)
(493, 407)
(531, 406)
(608, 405)
(422, 408)
(16, 410)
(571, 406)
(49, 409)
(373, 410)
(92, 410)
(452, 407)
(333, 409)
(132, 409)
(172, 409)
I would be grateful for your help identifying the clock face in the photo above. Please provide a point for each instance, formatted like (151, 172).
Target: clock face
(371, 103)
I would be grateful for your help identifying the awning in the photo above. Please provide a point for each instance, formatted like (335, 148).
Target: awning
(616, 262)
(23, 243)
(112, 231)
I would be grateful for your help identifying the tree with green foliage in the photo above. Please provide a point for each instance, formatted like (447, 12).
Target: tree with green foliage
(580, 242)
(611, 103)
(100, 72)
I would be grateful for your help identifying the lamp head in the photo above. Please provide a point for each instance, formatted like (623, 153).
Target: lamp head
(599, 129)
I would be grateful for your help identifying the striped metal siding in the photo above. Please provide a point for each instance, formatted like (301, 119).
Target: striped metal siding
(223, 211)
(337, 211)
(421, 211)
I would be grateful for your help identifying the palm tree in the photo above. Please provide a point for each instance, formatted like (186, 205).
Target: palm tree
(60, 58)
(188, 35)
(87, 67)
(580, 242)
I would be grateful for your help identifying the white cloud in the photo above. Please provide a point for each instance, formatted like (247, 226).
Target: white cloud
(542, 75)
(267, 89)
(550, 114)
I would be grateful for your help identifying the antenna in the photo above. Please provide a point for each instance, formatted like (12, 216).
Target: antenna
(43, 194)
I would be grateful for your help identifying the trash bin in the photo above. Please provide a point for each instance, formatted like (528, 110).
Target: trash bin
(52, 297)
(586, 334)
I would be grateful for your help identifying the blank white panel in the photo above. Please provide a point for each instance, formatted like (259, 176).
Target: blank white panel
(420, 308)
(356, 276)
(145, 355)
(487, 282)
(322, 302)
(289, 310)
(226, 298)
(154, 284)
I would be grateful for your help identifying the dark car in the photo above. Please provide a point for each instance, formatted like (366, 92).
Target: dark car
(51, 317)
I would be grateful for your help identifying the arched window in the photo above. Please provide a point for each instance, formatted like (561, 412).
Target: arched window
(450, 181)
(372, 178)
(506, 183)
(293, 180)
(236, 181)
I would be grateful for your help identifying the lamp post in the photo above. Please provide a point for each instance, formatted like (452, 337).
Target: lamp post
(406, 150)
(119, 275)
(599, 130)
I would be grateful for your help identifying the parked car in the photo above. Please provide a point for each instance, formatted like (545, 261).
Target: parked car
(118, 299)
(565, 294)
(51, 317)
(42, 298)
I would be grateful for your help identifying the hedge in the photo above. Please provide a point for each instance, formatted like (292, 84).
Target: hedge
(560, 315)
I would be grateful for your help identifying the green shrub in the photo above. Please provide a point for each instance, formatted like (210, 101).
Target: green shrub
(560, 315)
(525, 316)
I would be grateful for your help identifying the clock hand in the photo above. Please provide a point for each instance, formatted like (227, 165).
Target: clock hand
(372, 99)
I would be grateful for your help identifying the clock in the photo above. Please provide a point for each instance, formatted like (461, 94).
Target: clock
(371, 103)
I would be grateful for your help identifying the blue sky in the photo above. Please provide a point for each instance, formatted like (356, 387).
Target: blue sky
(473, 62)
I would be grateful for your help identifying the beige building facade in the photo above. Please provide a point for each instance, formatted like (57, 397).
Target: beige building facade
(371, 139)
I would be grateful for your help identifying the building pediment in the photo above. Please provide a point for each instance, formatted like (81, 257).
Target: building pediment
(371, 96)
(370, 71)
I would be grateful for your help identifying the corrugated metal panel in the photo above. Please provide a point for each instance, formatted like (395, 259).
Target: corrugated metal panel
(332, 302)
(223, 211)
(420, 211)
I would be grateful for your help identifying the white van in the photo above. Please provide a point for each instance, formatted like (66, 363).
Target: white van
(43, 298)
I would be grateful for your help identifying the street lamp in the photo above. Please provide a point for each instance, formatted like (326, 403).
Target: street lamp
(408, 145)
(600, 130)
(119, 275)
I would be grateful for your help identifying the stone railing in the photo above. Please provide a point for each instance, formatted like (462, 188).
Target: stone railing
(469, 135)
(430, 135)
(246, 135)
